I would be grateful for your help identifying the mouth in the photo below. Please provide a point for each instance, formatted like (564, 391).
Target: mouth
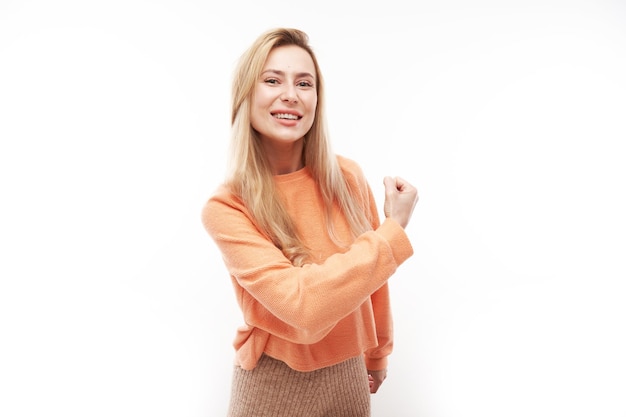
(286, 116)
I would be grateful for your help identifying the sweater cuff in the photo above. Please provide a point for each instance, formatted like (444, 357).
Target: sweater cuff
(375, 364)
(398, 240)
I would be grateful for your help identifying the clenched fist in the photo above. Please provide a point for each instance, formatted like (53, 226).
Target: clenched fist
(400, 199)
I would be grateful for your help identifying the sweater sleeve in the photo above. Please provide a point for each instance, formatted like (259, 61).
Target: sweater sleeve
(376, 357)
(300, 304)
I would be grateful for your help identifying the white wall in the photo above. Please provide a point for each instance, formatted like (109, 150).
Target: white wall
(508, 116)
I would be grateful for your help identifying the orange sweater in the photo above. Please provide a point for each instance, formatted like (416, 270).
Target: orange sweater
(321, 313)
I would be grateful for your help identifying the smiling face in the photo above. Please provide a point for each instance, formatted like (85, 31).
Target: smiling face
(285, 98)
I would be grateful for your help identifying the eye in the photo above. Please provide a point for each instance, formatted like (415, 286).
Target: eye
(271, 81)
(305, 84)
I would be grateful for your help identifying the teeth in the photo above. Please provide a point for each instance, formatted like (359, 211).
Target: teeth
(286, 116)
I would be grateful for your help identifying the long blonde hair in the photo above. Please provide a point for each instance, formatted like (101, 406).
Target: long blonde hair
(249, 175)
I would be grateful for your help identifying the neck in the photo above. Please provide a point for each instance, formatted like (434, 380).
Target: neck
(285, 160)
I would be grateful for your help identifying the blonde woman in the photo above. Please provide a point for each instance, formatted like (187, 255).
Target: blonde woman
(299, 232)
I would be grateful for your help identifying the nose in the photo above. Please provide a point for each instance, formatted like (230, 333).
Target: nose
(289, 94)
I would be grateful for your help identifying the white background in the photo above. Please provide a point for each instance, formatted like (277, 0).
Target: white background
(508, 116)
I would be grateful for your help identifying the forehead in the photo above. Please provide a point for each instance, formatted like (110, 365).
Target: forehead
(290, 58)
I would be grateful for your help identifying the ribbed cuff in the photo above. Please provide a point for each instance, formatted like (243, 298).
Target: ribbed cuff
(375, 364)
(398, 240)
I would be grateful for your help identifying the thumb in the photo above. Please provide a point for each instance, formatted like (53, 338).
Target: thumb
(390, 184)
(390, 187)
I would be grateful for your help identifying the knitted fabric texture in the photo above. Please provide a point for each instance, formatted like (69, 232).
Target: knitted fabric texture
(322, 313)
(272, 389)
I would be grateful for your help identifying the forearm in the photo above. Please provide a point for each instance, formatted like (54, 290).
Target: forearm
(311, 299)
(376, 358)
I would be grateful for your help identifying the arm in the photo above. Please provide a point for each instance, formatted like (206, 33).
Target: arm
(300, 304)
(400, 200)
(376, 358)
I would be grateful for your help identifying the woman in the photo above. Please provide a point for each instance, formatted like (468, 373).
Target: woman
(299, 233)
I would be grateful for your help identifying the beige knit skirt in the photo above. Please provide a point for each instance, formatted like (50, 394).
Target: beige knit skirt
(272, 389)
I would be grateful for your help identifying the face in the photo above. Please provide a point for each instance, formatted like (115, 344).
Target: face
(285, 97)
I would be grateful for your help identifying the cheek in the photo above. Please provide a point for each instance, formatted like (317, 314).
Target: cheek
(255, 117)
(313, 107)
(314, 102)
(257, 109)
(311, 102)
(263, 97)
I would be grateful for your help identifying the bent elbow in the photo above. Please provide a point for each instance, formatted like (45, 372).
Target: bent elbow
(309, 330)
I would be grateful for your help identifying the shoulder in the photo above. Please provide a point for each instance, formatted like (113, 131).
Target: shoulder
(219, 205)
(351, 170)
(222, 194)
(347, 164)
(222, 198)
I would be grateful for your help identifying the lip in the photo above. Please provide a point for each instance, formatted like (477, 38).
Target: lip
(284, 111)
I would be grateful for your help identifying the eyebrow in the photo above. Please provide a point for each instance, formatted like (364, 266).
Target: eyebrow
(282, 73)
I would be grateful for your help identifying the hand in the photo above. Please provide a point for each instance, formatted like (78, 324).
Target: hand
(400, 199)
(376, 379)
